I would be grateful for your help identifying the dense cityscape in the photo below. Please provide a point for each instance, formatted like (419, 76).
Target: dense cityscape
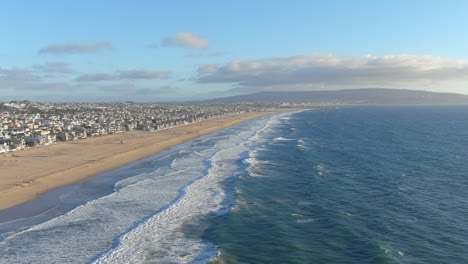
(26, 124)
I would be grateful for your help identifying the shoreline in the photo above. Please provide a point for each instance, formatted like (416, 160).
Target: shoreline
(30, 173)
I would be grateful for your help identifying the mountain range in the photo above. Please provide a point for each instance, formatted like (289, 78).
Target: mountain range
(371, 96)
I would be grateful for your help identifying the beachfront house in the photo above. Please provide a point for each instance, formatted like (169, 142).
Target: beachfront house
(4, 146)
(147, 128)
(11, 143)
(17, 143)
(32, 141)
(130, 125)
(48, 139)
(63, 136)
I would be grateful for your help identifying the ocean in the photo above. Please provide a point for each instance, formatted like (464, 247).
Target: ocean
(325, 185)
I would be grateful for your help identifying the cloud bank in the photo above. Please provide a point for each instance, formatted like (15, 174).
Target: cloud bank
(186, 40)
(16, 77)
(73, 48)
(131, 89)
(28, 79)
(124, 75)
(50, 77)
(319, 71)
(53, 67)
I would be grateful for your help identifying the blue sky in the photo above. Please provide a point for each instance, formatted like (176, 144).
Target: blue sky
(153, 51)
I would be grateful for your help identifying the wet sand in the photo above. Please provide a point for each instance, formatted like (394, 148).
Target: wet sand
(26, 174)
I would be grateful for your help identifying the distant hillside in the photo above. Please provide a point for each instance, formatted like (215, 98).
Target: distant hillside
(355, 96)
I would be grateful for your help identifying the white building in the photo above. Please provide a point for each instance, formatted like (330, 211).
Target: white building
(4, 148)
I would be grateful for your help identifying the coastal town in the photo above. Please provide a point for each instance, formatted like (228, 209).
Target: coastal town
(25, 124)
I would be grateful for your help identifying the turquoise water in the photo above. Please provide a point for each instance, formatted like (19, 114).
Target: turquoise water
(335, 185)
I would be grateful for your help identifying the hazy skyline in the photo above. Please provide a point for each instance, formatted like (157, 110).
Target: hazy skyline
(160, 51)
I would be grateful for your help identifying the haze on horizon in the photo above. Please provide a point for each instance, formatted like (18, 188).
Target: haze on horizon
(150, 51)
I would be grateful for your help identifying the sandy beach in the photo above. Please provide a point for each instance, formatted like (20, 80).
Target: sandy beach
(24, 175)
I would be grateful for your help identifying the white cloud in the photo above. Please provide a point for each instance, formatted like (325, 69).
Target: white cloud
(19, 78)
(123, 75)
(96, 77)
(186, 40)
(53, 67)
(40, 79)
(143, 74)
(71, 48)
(26, 79)
(207, 69)
(319, 71)
(18, 74)
(167, 89)
(116, 88)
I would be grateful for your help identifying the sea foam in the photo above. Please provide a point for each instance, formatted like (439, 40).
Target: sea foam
(143, 218)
